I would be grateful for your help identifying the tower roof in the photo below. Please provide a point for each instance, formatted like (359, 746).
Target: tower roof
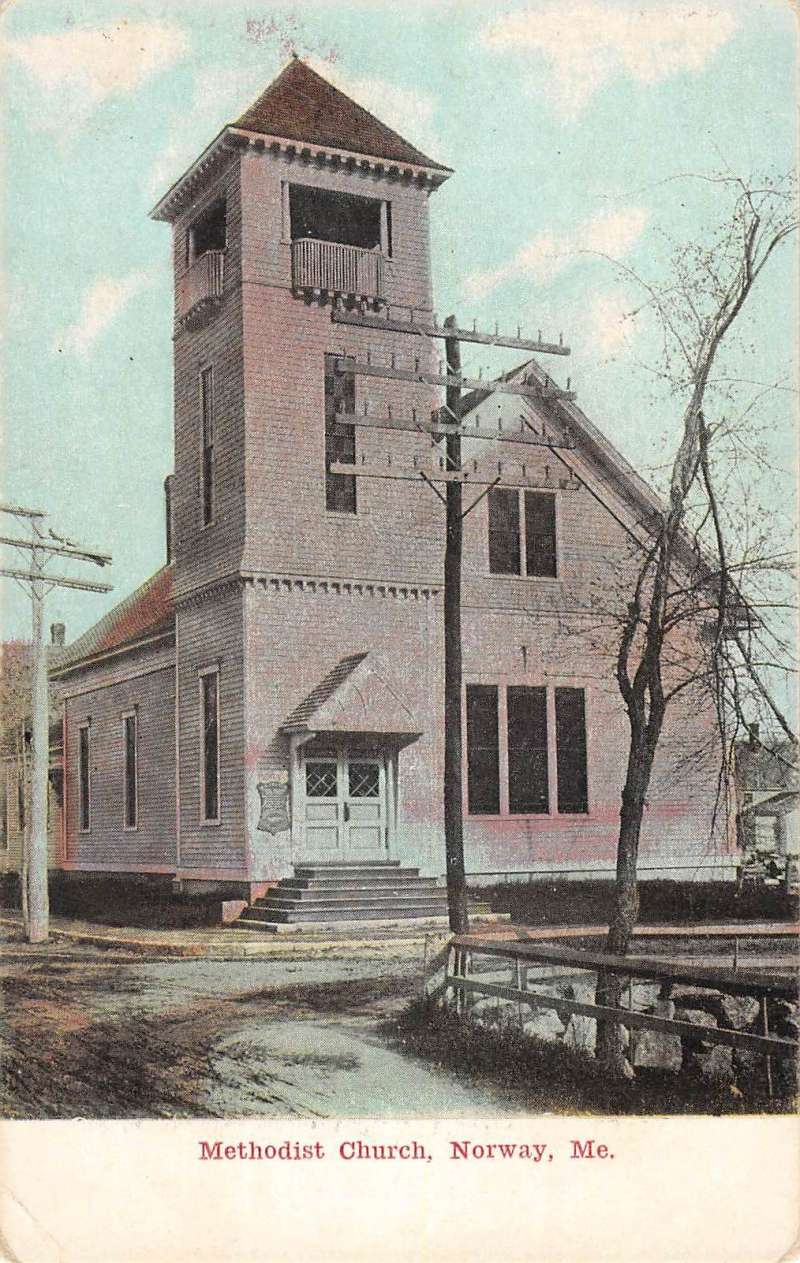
(301, 105)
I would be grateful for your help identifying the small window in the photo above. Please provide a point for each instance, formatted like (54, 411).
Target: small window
(207, 473)
(324, 215)
(483, 750)
(208, 232)
(527, 750)
(522, 542)
(340, 438)
(84, 780)
(209, 755)
(571, 751)
(130, 770)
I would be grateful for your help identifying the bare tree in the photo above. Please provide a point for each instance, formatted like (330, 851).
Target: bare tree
(688, 623)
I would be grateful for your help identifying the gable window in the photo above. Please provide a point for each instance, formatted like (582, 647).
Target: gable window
(207, 415)
(130, 770)
(84, 780)
(345, 218)
(340, 438)
(209, 746)
(504, 533)
(522, 533)
(526, 750)
(208, 232)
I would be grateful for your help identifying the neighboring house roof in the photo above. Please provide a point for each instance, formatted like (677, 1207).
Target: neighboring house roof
(146, 613)
(771, 765)
(301, 105)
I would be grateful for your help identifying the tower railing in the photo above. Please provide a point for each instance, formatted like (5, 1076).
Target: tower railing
(201, 284)
(337, 269)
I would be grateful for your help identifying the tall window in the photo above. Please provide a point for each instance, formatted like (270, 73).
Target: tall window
(207, 412)
(130, 770)
(483, 750)
(528, 790)
(340, 438)
(526, 750)
(571, 751)
(209, 754)
(84, 780)
(522, 533)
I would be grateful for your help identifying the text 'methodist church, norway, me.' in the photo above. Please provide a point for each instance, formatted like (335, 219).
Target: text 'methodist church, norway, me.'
(273, 696)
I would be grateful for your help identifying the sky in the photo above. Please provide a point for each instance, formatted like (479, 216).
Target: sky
(565, 124)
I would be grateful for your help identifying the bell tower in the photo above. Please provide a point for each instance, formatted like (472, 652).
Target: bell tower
(306, 201)
(305, 206)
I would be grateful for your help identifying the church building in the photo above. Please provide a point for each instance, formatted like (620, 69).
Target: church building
(270, 702)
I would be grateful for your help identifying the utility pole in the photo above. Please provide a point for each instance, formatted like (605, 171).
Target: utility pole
(455, 475)
(453, 747)
(37, 581)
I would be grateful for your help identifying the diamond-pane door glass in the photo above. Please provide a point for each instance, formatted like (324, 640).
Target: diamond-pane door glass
(320, 780)
(363, 780)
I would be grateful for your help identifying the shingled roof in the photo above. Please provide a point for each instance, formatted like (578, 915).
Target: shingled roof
(301, 105)
(327, 686)
(147, 612)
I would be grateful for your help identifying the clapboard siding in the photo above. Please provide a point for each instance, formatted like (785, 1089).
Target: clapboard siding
(108, 842)
(210, 633)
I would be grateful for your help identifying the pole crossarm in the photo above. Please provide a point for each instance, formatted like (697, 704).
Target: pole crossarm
(431, 329)
(525, 436)
(464, 476)
(543, 392)
(55, 581)
(100, 559)
(18, 511)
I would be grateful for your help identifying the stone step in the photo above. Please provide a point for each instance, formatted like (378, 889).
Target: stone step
(378, 868)
(357, 881)
(269, 903)
(387, 911)
(292, 889)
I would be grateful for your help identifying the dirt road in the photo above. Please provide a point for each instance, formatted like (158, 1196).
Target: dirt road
(95, 1035)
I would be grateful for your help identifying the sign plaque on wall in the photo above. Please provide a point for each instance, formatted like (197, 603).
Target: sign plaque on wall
(274, 797)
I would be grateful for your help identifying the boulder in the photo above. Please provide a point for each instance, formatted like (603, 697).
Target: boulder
(658, 1050)
(544, 1024)
(716, 1064)
(738, 1011)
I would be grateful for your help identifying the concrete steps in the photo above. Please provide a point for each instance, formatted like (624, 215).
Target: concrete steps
(334, 893)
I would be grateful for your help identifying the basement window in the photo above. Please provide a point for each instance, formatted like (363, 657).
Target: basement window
(208, 232)
(344, 218)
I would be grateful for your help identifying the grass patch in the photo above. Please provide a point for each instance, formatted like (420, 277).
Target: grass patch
(559, 1079)
(541, 902)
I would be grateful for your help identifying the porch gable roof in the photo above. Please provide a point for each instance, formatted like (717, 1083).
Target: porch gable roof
(353, 697)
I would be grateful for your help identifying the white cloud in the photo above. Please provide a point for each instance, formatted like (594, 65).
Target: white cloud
(78, 69)
(103, 301)
(614, 233)
(219, 94)
(587, 45)
(607, 325)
